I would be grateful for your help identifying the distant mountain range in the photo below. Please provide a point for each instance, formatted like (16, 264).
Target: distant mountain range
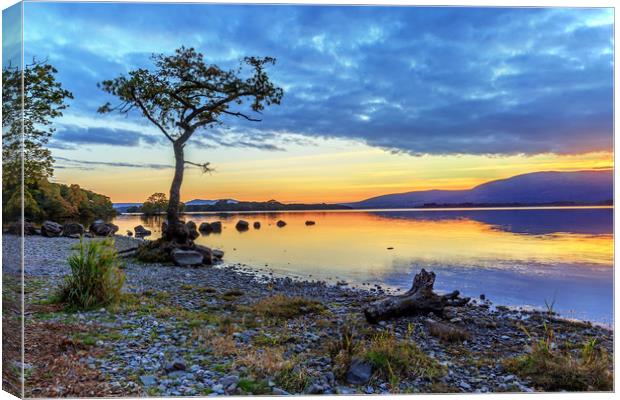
(537, 188)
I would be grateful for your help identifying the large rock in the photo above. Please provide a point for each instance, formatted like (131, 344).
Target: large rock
(51, 229)
(242, 225)
(359, 372)
(16, 228)
(207, 254)
(186, 258)
(205, 227)
(308, 223)
(141, 231)
(72, 229)
(102, 228)
(281, 223)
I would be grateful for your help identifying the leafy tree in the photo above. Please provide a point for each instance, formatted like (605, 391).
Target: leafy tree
(155, 204)
(182, 95)
(31, 109)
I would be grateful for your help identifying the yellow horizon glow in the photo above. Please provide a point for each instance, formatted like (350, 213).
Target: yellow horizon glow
(331, 172)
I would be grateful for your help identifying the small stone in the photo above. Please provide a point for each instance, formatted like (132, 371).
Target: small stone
(148, 380)
(464, 385)
(359, 372)
(280, 392)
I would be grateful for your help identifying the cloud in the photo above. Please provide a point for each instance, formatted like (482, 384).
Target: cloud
(419, 80)
(68, 163)
(72, 136)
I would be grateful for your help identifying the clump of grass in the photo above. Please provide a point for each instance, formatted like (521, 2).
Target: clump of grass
(343, 349)
(395, 359)
(96, 279)
(554, 369)
(285, 307)
(291, 378)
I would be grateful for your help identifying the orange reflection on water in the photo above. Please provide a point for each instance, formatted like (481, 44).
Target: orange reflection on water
(356, 243)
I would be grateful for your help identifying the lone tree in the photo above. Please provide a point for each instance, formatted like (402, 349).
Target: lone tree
(184, 94)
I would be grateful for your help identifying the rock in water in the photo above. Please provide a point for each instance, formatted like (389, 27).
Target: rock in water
(281, 223)
(256, 225)
(217, 226)
(141, 231)
(186, 258)
(242, 225)
(129, 233)
(308, 223)
(207, 254)
(16, 228)
(101, 228)
(51, 229)
(359, 372)
(191, 230)
(205, 227)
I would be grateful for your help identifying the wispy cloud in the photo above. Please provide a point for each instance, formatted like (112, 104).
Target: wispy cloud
(87, 165)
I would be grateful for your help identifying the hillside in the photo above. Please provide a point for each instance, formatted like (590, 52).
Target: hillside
(580, 187)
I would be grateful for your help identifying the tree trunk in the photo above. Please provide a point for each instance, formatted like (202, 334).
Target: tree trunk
(420, 299)
(176, 230)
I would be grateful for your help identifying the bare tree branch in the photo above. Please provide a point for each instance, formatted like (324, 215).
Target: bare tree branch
(204, 166)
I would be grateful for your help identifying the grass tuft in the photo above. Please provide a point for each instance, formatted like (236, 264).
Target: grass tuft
(96, 279)
(554, 369)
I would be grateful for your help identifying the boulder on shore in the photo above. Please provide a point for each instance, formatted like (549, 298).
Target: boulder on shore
(207, 254)
(102, 228)
(186, 258)
(141, 231)
(242, 225)
(281, 223)
(72, 229)
(256, 225)
(51, 229)
(16, 228)
(219, 254)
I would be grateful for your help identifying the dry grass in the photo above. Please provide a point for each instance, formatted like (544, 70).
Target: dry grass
(264, 362)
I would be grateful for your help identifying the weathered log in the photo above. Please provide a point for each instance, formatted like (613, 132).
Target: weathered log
(420, 299)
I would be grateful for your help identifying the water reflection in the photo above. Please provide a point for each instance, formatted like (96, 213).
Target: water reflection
(517, 257)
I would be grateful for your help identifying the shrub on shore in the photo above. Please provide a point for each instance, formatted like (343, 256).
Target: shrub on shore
(96, 279)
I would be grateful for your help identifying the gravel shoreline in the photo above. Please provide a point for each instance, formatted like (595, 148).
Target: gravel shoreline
(153, 352)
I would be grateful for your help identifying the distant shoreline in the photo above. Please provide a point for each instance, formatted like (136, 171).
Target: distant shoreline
(413, 209)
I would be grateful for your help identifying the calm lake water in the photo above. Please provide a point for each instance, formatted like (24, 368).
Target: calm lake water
(517, 257)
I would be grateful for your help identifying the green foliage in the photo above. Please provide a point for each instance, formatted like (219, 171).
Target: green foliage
(96, 279)
(155, 204)
(47, 200)
(43, 99)
(554, 369)
(254, 387)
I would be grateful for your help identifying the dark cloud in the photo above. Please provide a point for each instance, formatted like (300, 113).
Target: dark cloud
(71, 137)
(408, 79)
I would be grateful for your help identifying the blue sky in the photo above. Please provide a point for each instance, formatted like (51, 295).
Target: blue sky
(407, 80)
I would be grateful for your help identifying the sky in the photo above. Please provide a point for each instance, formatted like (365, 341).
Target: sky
(377, 99)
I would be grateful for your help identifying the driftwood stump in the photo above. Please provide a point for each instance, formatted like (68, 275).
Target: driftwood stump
(420, 299)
